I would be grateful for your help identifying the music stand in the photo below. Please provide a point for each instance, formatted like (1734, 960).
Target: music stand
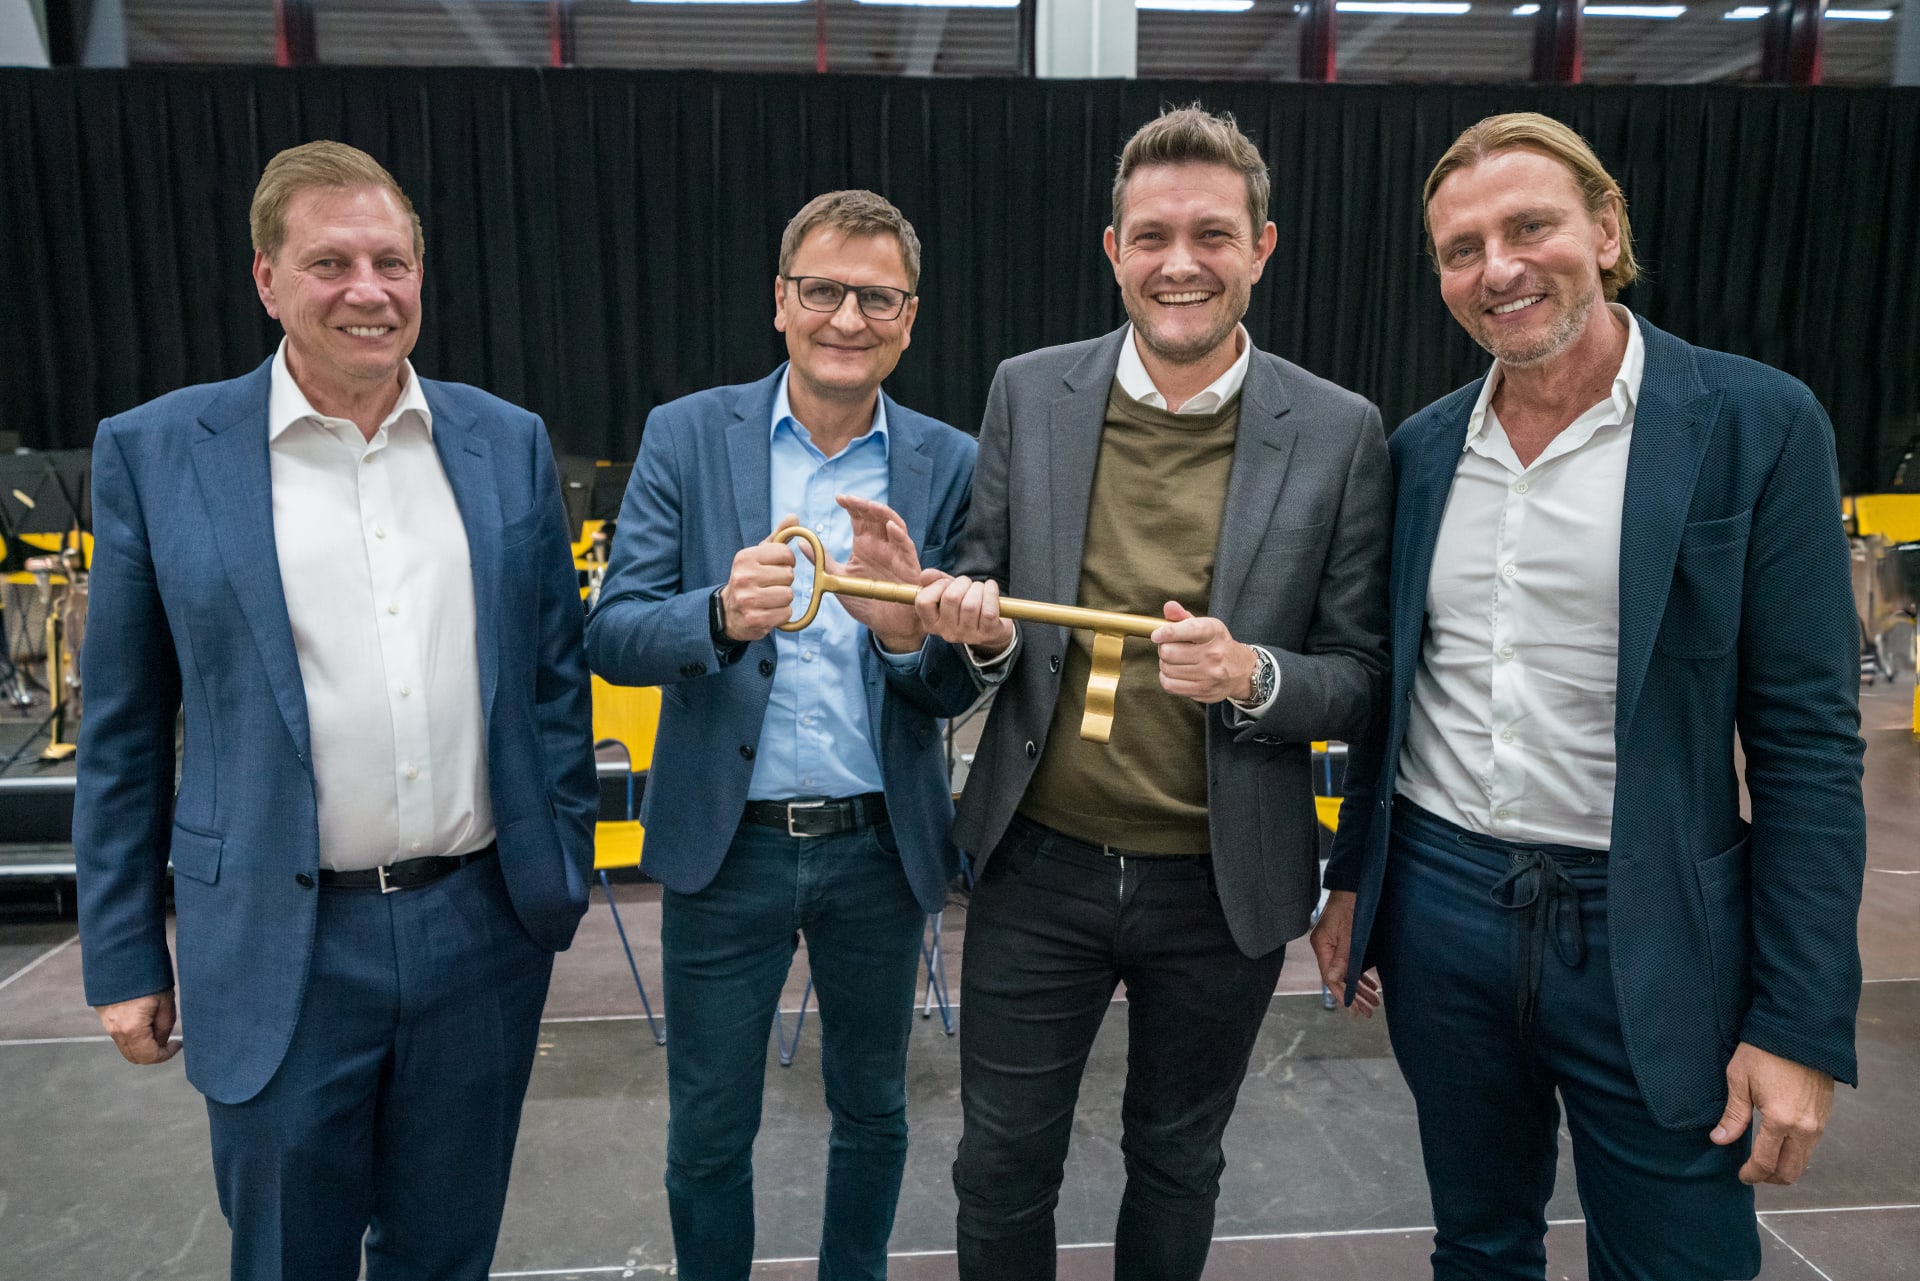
(41, 492)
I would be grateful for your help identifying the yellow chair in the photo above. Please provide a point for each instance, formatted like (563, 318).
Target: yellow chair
(627, 717)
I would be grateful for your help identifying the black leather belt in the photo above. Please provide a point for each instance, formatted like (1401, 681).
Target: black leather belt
(407, 874)
(821, 817)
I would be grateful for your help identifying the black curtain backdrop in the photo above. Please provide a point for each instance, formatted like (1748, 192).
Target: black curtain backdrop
(599, 242)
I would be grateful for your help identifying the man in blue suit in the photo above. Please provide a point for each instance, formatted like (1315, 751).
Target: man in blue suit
(1611, 555)
(799, 780)
(356, 583)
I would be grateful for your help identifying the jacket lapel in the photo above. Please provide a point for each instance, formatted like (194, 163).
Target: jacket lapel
(1671, 426)
(230, 461)
(465, 459)
(1260, 456)
(1424, 478)
(1073, 449)
(750, 457)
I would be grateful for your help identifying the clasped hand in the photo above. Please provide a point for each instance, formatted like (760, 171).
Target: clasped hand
(758, 595)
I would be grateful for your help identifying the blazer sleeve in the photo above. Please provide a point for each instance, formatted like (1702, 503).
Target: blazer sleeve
(123, 804)
(985, 538)
(941, 684)
(1328, 688)
(650, 627)
(563, 696)
(1799, 721)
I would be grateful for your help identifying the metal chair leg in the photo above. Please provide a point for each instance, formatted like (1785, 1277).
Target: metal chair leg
(789, 1049)
(659, 1033)
(935, 956)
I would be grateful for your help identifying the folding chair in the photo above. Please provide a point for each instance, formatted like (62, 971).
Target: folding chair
(626, 717)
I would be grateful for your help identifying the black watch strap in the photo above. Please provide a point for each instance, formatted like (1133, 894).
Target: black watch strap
(723, 644)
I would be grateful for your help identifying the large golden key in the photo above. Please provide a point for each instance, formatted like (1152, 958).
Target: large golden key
(1109, 629)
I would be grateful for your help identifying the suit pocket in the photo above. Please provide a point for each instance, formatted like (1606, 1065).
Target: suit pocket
(1725, 882)
(196, 855)
(1702, 619)
(518, 531)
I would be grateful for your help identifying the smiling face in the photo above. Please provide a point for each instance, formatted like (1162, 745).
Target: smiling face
(1186, 256)
(843, 355)
(1520, 256)
(345, 285)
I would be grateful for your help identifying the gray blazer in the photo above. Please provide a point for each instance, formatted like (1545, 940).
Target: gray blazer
(1301, 570)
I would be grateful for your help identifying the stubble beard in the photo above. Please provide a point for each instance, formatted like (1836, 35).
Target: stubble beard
(1562, 334)
(1186, 353)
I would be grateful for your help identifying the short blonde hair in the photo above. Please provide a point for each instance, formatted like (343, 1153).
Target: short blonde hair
(1194, 136)
(314, 166)
(853, 213)
(1531, 131)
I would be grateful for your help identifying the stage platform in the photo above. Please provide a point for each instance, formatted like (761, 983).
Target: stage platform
(36, 804)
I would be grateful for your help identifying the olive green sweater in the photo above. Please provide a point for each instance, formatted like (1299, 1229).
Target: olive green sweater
(1153, 524)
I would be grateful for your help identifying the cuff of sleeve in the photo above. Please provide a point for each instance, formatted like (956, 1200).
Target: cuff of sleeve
(1245, 713)
(907, 662)
(994, 670)
(1836, 1060)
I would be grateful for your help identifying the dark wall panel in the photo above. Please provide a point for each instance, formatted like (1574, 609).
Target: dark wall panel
(600, 241)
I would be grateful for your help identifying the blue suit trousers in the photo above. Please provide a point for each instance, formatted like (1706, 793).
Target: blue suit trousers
(390, 1123)
(1500, 996)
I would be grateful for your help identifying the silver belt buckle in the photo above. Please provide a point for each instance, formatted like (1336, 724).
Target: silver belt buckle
(384, 887)
(801, 805)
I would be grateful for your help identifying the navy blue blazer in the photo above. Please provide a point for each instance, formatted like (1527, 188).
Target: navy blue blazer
(702, 490)
(187, 611)
(1736, 614)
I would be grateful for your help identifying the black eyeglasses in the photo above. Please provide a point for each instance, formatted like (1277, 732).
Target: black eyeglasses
(876, 302)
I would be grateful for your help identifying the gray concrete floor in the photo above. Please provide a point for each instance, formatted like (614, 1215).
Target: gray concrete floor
(104, 1168)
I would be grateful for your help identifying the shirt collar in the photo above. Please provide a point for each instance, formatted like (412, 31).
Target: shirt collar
(287, 404)
(1138, 384)
(1626, 381)
(783, 413)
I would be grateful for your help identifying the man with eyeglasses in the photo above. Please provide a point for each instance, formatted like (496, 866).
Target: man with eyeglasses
(799, 781)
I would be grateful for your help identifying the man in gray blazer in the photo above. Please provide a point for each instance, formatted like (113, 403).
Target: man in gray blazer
(799, 781)
(1170, 469)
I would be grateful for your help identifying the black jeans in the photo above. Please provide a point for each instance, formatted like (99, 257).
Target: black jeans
(1053, 926)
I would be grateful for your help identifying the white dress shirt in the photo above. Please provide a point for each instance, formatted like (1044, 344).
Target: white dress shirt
(1134, 379)
(379, 589)
(1510, 731)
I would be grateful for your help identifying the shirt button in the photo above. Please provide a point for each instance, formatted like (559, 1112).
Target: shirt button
(414, 848)
(1509, 571)
(379, 531)
(1506, 651)
(1503, 815)
(405, 690)
(393, 607)
(806, 656)
(413, 772)
(1506, 736)
(1520, 488)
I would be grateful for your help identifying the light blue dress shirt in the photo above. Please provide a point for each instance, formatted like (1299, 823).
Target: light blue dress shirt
(817, 739)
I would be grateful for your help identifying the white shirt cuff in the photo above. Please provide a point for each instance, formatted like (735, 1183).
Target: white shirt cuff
(1245, 713)
(994, 669)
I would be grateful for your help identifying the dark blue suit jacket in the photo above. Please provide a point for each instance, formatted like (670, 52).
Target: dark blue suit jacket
(1736, 614)
(187, 612)
(701, 491)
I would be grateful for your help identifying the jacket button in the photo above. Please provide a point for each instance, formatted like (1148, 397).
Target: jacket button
(1032, 751)
(1053, 663)
(304, 881)
(746, 751)
(766, 667)
(694, 669)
